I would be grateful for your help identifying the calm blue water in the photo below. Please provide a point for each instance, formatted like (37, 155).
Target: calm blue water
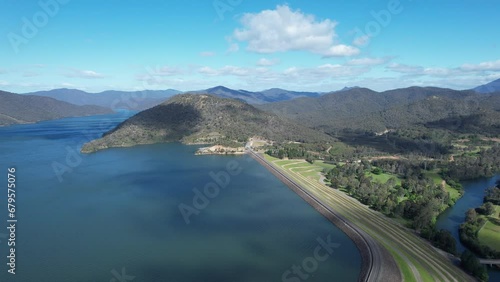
(452, 218)
(116, 212)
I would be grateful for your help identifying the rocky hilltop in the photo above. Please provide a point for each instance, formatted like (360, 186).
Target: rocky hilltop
(203, 119)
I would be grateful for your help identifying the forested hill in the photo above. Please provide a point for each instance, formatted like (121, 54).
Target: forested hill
(201, 118)
(367, 110)
(18, 109)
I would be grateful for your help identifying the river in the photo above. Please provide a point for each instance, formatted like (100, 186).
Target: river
(452, 218)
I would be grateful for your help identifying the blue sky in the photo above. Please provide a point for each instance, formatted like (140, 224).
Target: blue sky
(247, 44)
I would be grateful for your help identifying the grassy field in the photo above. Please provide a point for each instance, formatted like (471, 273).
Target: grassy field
(311, 171)
(383, 177)
(489, 234)
(416, 259)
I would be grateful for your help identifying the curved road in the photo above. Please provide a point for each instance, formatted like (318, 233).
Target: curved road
(378, 264)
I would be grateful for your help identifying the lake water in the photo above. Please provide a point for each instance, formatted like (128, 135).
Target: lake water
(114, 215)
(452, 218)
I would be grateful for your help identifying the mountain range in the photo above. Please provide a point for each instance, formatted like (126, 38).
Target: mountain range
(260, 97)
(19, 109)
(131, 100)
(350, 108)
(141, 100)
(368, 110)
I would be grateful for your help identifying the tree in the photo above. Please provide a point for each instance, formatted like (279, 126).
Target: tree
(492, 195)
(377, 171)
(471, 215)
(471, 264)
(310, 159)
(445, 241)
(487, 208)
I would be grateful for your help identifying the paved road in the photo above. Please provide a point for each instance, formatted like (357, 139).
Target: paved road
(375, 257)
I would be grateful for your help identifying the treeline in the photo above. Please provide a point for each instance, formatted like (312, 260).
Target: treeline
(307, 151)
(485, 164)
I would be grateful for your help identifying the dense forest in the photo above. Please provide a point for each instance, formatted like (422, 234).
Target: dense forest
(483, 164)
(410, 194)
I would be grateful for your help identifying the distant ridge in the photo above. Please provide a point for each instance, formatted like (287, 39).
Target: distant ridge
(491, 87)
(132, 100)
(19, 109)
(141, 100)
(259, 97)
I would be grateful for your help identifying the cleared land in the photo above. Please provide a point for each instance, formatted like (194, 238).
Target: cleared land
(416, 258)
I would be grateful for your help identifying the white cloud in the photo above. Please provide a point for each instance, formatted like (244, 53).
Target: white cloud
(295, 76)
(208, 71)
(87, 74)
(361, 41)
(484, 66)
(437, 71)
(326, 71)
(406, 69)
(233, 70)
(30, 74)
(67, 85)
(481, 69)
(155, 76)
(233, 47)
(263, 62)
(282, 30)
(207, 54)
(164, 71)
(228, 71)
(368, 61)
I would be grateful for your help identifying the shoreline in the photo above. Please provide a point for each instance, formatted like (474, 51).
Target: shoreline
(375, 259)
